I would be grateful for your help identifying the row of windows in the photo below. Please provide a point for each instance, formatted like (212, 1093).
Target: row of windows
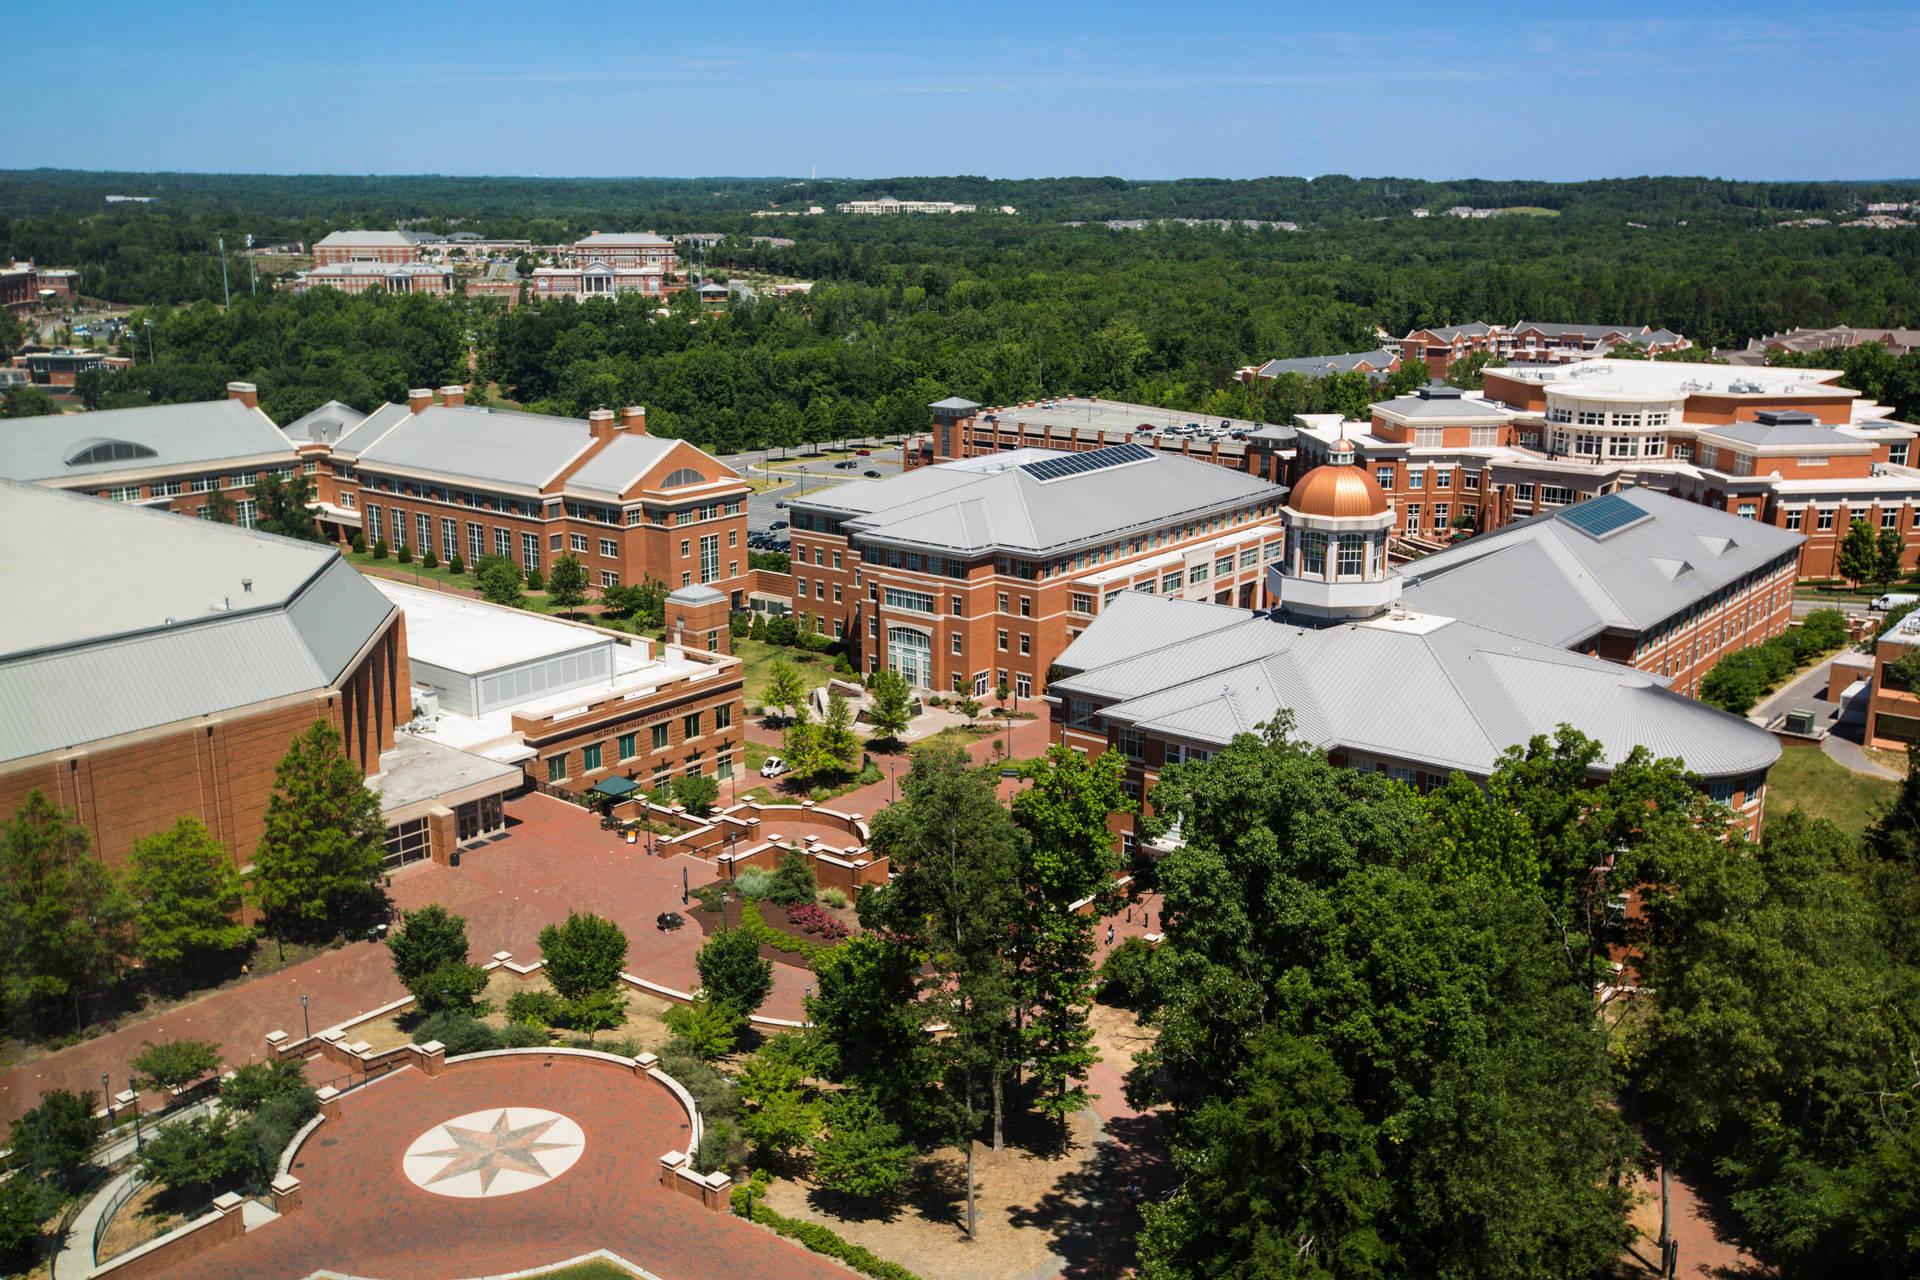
(626, 746)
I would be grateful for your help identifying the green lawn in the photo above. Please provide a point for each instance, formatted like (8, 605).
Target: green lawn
(1807, 778)
(757, 658)
(532, 601)
(598, 1269)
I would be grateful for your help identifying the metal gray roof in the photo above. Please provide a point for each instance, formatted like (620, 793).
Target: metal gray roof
(696, 594)
(1320, 366)
(1546, 580)
(1450, 407)
(1760, 433)
(493, 445)
(996, 504)
(326, 425)
(207, 431)
(955, 403)
(1434, 691)
(372, 240)
(619, 466)
(600, 238)
(1450, 332)
(1591, 332)
(167, 629)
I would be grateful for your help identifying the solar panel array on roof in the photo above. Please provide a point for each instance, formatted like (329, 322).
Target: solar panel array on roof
(1604, 516)
(1074, 464)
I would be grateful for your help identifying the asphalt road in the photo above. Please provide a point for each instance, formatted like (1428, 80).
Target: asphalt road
(802, 473)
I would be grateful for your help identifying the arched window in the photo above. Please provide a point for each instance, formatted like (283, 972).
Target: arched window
(108, 451)
(685, 475)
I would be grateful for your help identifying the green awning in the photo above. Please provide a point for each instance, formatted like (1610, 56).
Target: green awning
(613, 788)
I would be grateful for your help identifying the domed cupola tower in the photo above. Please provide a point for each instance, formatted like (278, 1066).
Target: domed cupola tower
(1335, 568)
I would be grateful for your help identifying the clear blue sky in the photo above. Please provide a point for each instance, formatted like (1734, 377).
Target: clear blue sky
(1762, 89)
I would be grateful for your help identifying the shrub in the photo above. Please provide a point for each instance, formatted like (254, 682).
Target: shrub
(707, 1083)
(731, 970)
(380, 549)
(753, 884)
(709, 896)
(534, 1008)
(720, 1148)
(459, 1032)
(793, 880)
(404, 555)
(814, 920)
(751, 919)
(1126, 976)
(534, 581)
(709, 1028)
(278, 1119)
(835, 898)
(430, 560)
(739, 624)
(820, 795)
(456, 566)
(258, 1083)
(519, 1035)
(818, 1238)
(359, 544)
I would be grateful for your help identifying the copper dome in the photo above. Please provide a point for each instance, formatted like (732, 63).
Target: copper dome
(1341, 492)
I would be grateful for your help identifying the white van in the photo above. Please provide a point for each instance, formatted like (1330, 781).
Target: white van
(1892, 601)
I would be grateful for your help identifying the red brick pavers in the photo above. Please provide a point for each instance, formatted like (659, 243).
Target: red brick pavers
(361, 1215)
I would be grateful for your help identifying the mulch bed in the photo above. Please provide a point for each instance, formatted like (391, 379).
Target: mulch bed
(776, 917)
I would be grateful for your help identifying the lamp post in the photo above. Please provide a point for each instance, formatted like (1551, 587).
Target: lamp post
(149, 324)
(893, 781)
(683, 886)
(139, 1143)
(305, 1023)
(106, 1096)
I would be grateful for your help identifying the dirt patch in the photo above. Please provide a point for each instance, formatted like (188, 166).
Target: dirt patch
(1118, 1035)
(1026, 1199)
(149, 1215)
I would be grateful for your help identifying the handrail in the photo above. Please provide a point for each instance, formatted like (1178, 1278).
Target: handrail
(128, 1190)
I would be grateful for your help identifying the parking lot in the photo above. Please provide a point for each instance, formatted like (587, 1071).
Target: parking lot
(796, 472)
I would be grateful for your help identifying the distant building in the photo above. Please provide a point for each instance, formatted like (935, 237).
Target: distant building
(887, 204)
(1897, 342)
(58, 369)
(1375, 364)
(1530, 342)
(605, 264)
(362, 276)
(369, 246)
(1441, 347)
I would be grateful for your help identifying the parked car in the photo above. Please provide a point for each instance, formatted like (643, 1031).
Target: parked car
(780, 504)
(873, 475)
(865, 453)
(848, 465)
(778, 524)
(773, 768)
(1893, 601)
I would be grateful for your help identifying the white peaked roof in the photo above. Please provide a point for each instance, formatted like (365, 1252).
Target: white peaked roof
(1554, 579)
(619, 466)
(176, 618)
(1413, 687)
(494, 445)
(162, 436)
(325, 425)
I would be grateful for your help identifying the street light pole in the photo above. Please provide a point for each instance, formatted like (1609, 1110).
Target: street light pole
(226, 294)
(133, 1087)
(305, 1023)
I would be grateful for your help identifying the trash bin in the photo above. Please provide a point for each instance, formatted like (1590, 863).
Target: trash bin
(454, 860)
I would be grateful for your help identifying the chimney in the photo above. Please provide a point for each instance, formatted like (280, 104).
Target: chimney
(633, 420)
(600, 424)
(245, 392)
(453, 395)
(419, 398)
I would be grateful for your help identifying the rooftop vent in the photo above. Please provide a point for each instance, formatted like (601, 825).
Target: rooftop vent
(1437, 391)
(246, 586)
(1785, 418)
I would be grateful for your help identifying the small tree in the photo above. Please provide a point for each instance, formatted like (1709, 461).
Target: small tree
(498, 579)
(218, 508)
(781, 1118)
(567, 584)
(1003, 695)
(456, 566)
(24, 1205)
(177, 1063)
(534, 581)
(380, 549)
(970, 707)
(732, 972)
(793, 880)
(188, 893)
(1732, 684)
(429, 952)
(1889, 548)
(892, 704)
(583, 955)
(839, 745)
(324, 841)
(862, 1153)
(359, 544)
(596, 1011)
(64, 917)
(698, 792)
(405, 554)
(710, 1027)
(56, 1138)
(258, 1083)
(1859, 556)
(202, 1152)
(785, 689)
(430, 560)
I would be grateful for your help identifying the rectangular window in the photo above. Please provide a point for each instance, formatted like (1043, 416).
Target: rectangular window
(503, 542)
(373, 526)
(1082, 602)
(660, 736)
(911, 601)
(691, 724)
(1825, 518)
(1440, 510)
(529, 551)
(1471, 479)
(1026, 606)
(1416, 478)
(710, 558)
(1197, 574)
(1026, 643)
(1385, 476)
(556, 768)
(800, 587)
(956, 644)
(590, 758)
(1523, 492)
(399, 527)
(1003, 602)
(1022, 685)
(1413, 517)
(723, 716)
(1747, 510)
(723, 766)
(1890, 519)
(1554, 495)
(449, 538)
(1171, 581)
(1223, 566)
(1313, 550)
(608, 578)
(244, 513)
(627, 746)
(1897, 454)
(476, 543)
(1003, 641)
(555, 541)
(1353, 555)
(576, 542)
(423, 524)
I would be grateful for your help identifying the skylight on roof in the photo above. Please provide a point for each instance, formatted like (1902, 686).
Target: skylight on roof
(1604, 516)
(1074, 464)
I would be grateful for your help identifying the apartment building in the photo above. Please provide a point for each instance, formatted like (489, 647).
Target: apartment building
(1758, 350)
(1440, 348)
(963, 429)
(606, 264)
(170, 455)
(967, 575)
(1636, 577)
(1787, 447)
(376, 276)
(1378, 682)
(889, 205)
(390, 247)
(469, 481)
(1530, 342)
(1375, 364)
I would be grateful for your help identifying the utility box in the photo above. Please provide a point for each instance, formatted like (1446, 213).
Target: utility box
(1800, 720)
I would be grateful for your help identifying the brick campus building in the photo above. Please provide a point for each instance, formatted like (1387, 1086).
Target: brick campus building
(1786, 447)
(172, 682)
(468, 481)
(1382, 682)
(608, 263)
(971, 574)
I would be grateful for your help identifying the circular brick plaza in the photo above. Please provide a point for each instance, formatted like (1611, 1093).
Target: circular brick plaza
(549, 1156)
